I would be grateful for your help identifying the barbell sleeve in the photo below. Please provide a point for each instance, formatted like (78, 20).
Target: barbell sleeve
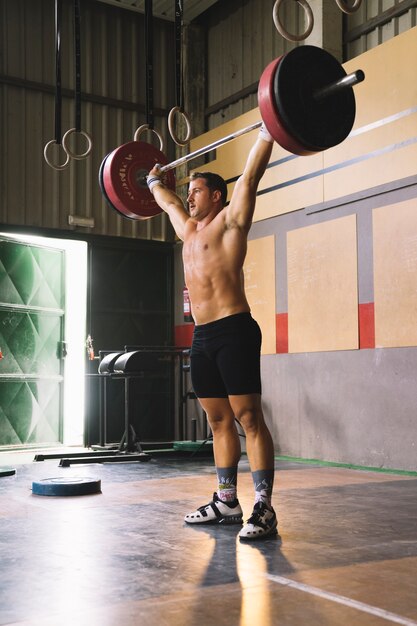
(211, 146)
(347, 81)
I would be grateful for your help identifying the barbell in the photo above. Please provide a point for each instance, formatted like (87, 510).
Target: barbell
(306, 102)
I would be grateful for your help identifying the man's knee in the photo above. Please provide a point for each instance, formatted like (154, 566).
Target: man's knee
(250, 418)
(220, 419)
(216, 420)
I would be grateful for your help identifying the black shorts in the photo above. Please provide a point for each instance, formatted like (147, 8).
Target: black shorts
(225, 357)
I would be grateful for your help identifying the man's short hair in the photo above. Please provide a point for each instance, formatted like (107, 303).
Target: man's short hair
(214, 182)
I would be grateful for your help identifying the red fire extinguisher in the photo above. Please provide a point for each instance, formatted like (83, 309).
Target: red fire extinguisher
(186, 305)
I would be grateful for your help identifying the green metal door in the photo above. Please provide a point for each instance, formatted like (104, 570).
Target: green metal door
(32, 301)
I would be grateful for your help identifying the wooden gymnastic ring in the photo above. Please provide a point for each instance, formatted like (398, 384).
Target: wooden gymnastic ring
(74, 155)
(179, 142)
(280, 28)
(45, 154)
(142, 129)
(343, 6)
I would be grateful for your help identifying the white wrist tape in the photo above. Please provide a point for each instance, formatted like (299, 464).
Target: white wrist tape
(152, 181)
(264, 134)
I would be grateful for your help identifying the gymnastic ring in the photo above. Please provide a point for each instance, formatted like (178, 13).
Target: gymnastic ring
(142, 129)
(343, 6)
(280, 28)
(45, 154)
(74, 155)
(179, 142)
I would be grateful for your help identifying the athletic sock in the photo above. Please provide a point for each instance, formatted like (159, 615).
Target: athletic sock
(264, 482)
(227, 478)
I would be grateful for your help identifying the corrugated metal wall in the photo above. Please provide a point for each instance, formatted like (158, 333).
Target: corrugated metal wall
(242, 40)
(368, 13)
(113, 84)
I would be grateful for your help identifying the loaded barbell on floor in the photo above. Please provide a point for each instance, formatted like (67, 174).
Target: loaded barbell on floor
(306, 102)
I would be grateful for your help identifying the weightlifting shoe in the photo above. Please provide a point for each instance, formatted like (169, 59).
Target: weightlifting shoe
(262, 523)
(216, 512)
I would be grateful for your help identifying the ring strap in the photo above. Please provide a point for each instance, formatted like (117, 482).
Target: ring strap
(178, 54)
(58, 92)
(149, 62)
(77, 49)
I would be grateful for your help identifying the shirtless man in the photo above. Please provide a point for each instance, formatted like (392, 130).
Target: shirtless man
(225, 355)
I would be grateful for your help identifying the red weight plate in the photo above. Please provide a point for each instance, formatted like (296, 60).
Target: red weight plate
(270, 115)
(124, 179)
(104, 192)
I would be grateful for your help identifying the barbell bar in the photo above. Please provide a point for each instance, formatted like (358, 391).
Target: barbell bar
(209, 147)
(306, 102)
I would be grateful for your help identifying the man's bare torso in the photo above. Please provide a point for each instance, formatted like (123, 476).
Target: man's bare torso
(213, 258)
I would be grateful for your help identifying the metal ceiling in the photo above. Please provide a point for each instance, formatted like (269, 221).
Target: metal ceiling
(165, 9)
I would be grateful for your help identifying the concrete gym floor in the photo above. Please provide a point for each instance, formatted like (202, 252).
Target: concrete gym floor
(347, 552)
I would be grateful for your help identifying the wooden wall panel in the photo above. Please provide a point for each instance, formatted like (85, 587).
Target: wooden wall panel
(369, 10)
(395, 274)
(322, 287)
(259, 271)
(383, 144)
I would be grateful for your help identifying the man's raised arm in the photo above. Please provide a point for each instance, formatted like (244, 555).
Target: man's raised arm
(242, 205)
(168, 200)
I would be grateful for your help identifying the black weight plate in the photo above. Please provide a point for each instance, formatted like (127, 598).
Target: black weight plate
(317, 124)
(73, 486)
(7, 471)
(106, 365)
(100, 181)
(139, 361)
